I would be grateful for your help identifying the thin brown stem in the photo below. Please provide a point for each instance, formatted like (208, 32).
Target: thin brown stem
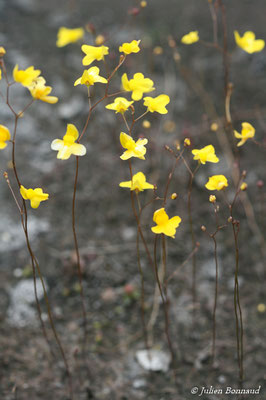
(85, 332)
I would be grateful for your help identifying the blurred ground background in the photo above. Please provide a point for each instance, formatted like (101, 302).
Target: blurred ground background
(106, 227)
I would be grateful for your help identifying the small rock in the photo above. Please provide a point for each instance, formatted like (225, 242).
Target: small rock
(153, 360)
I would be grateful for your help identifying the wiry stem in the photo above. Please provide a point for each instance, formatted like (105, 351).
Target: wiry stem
(78, 257)
(35, 265)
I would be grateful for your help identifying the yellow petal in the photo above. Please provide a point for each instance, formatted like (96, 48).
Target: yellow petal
(57, 144)
(78, 149)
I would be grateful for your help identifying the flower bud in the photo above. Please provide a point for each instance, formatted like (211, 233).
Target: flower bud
(146, 124)
(158, 50)
(99, 40)
(203, 228)
(143, 3)
(187, 142)
(243, 186)
(260, 184)
(212, 198)
(174, 196)
(134, 11)
(2, 51)
(214, 126)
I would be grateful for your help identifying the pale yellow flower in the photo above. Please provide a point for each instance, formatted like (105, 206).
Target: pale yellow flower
(128, 48)
(25, 77)
(190, 38)
(206, 154)
(164, 224)
(247, 132)
(138, 183)
(94, 53)
(133, 149)
(67, 146)
(120, 105)
(34, 195)
(66, 36)
(89, 77)
(217, 182)
(248, 42)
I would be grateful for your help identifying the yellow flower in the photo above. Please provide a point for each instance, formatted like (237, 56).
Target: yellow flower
(206, 154)
(248, 42)
(34, 195)
(247, 132)
(146, 124)
(214, 126)
(138, 183)
(138, 85)
(0, 74)
(66, 36)
(41, 92)
(99, 40)
(133, 149)
(190, 38)
(187, 142)
(120, 105)
(216, 182)
(25, 77)
(2, 51)
(93, 53)
(212, 198)
(157, 104)
(89, 77)
(4, 136)
(128, 48)
(244, 186)
(164, 224)
(67, 146)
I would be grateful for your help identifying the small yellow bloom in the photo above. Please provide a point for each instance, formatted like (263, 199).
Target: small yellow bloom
(34, 195)
(0, 74)
(138, 85)
(216, 182)
(261, 308)
(2, 51)
(206, 154)
(244, 186)
(41, 92)
(173, 196)
(99, 40)
(93, 53)
(128, 48)
(66, 36)
(158, 50)
(248, 42)
(25, 77)
(247, 132)
(89, 77)
(190, 38)
(212, 198)
(138, 183)
(187, 142)
(157, 104)
(4, 136)
(67, 146)
(143, 3)
(146, 124)
(133, 149)
(214, 126)
(120, 105)
(164, 224)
